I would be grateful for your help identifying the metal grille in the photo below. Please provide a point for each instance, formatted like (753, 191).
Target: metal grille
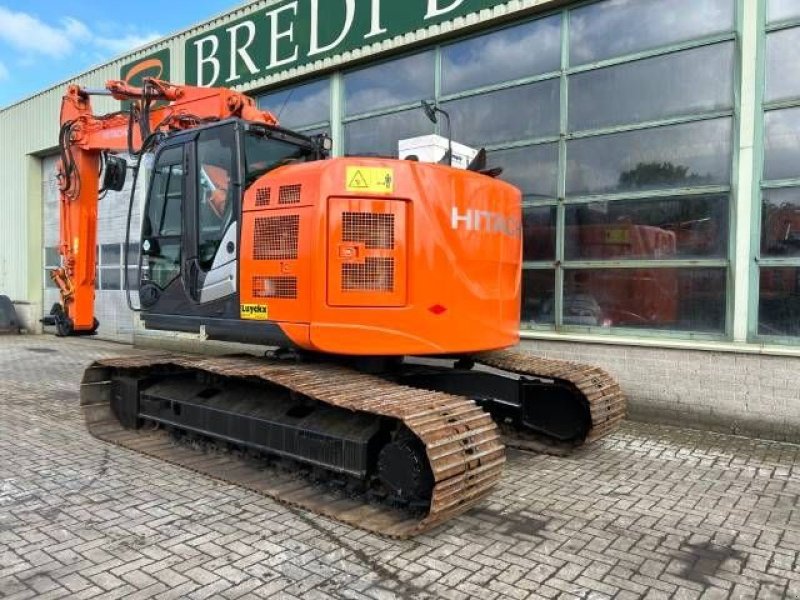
(275, 287)
(375, 231)
(289, 194)
(263, 196)
(276, 238)
(376, 274)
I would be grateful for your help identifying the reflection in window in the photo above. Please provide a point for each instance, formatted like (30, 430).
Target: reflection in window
(538, 297)
(780, 10)
(693, 154)
(402, 81)
(783, 65)
(51, 257)
(539, 233)
(780, 222)
(779, 302)
(378, 136)
(682, 83)
(110, 255)
(110, 279)
(533, 169)
(691, 299)
(663, 229)
(301, 105)
(617, 27)
(782, 144)
(503, 55)
(529, 111)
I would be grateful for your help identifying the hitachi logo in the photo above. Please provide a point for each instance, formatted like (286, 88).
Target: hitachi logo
(486, 222)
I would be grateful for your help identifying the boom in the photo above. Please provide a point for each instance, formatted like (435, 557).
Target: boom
(85, 137)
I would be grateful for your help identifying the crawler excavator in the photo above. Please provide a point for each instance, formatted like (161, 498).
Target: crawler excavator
(388, 291)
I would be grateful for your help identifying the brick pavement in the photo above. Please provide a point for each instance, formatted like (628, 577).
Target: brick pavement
(653, 512)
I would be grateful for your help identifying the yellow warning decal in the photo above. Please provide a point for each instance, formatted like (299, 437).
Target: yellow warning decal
(254, 312)
(374, 180)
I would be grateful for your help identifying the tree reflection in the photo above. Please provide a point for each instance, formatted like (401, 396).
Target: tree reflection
(660, 174)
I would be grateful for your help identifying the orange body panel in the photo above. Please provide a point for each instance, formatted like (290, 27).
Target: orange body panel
(430, 265)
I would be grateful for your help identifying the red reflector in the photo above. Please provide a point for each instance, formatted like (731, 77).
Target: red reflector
(438, 309)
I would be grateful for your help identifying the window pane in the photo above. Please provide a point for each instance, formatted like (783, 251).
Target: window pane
(48, 281)
(685, 227)
(378, 136)
(502, 56)
(782, 144)
(110, 255)
(683, 83)
(215, 202)
(110, 279)
(539, 233)
(533, 169)
(52, 257)
(301, 105)
(538, 297)
(617, 27)
(779, 306)
(401, 81)
(675, 299)
(529, 111)
(783, 65)
(677, 156)
(133, 278)
(779, 10)
(780, 222)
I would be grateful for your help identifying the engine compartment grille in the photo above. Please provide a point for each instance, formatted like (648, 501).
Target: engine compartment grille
(375, 274)
(275, 287)
(263, 196)
(290, 194)
(276, 238)
(374, 230)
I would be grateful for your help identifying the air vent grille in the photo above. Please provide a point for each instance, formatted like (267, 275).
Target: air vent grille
(374, 230)
(276, 238)
(375, 275)
(263, 196)
(275, 287)
(290, 194)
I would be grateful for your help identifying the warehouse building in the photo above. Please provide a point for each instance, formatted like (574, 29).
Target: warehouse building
(657, 145)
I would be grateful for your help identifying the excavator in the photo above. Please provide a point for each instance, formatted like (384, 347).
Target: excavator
(387, 293)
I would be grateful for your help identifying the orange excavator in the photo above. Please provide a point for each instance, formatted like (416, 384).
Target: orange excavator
(388, 292)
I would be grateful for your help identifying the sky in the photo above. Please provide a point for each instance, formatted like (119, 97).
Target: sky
(44, 42)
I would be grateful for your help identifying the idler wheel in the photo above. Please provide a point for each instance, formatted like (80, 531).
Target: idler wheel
(403, 468)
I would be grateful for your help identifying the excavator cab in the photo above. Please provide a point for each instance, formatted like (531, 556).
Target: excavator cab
(188, 274)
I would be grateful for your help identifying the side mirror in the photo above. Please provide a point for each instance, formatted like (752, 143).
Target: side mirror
(114, 173)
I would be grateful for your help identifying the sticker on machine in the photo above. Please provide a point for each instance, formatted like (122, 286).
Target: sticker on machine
(375, 180)
(254, 312)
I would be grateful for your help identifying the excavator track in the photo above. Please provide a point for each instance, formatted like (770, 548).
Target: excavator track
(461, 442)
(606, 402)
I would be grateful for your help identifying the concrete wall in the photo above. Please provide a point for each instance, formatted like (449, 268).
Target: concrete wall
(732, 392)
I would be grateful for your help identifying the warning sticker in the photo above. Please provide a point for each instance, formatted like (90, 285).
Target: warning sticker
(370, 179)
(254, 312)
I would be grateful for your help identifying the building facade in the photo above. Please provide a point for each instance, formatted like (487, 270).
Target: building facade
(657, 145)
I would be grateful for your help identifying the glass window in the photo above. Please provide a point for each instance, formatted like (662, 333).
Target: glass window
(618, 27)
(783, 65)
(779, 305)
(538, 297)
(110, 255)
(503, 55)
(402, 81)
(782, 144)
(657, 229)
(690, 299)
(110, 279)
(780, 10)
(682, 83)
(51, 257)
(525, 112)
(780, 222)
(162, 224)
(691, 154)
(301, 105)
(539, 233)
(378, 136)
(533, 169)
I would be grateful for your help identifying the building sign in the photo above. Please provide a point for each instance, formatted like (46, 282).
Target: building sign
(156, 65)
(293, 33)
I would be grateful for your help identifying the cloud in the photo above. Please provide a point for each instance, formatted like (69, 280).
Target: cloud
(29, 35)
(3, 72)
